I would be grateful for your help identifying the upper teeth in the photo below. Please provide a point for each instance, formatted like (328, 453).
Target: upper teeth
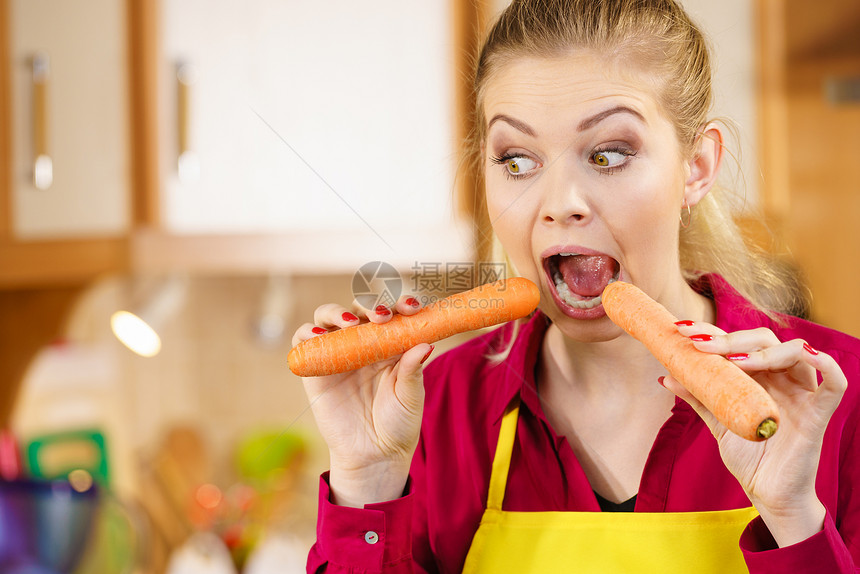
(568, 254)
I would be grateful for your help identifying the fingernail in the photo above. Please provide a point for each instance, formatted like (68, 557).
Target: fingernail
(413, 302)
(382, 310)
(701, 338)
(662, 381)
(427, 356)
(737, 356)
(349, 317)
(318, 330)
(809, 349)
(684, 323)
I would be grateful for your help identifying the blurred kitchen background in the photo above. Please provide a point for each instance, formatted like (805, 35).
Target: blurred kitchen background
(221, 168)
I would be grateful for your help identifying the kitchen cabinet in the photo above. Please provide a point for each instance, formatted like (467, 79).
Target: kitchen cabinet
(810, 69)
(326, 126)
(315, 137)
(66, 192)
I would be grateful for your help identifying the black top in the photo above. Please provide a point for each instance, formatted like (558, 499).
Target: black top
(609, 506)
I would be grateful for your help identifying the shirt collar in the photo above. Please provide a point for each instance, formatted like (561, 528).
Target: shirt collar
(733, 310)
(518, 369)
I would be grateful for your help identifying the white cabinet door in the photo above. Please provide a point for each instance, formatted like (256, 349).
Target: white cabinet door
(309, 116)
(83, 109)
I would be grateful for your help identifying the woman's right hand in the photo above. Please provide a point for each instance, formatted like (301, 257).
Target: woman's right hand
(370, 417)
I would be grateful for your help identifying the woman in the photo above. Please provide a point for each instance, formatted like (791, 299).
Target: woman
(593, 139)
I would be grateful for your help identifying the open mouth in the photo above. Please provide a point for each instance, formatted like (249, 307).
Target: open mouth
(579, 279)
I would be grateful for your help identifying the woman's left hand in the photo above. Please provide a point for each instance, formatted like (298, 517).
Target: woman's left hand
(778, 474)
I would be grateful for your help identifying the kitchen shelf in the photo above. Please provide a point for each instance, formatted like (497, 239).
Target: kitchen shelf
(157, 252)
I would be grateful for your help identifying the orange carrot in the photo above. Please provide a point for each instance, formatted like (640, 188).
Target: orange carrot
(735, 399)
(355, 347)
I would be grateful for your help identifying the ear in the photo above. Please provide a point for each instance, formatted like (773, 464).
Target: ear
(703, 167)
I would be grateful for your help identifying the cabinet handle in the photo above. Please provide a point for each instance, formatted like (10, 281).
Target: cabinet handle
(43, 166)
(187, 164)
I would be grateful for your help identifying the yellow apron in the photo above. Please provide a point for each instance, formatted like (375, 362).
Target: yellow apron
(600, 542)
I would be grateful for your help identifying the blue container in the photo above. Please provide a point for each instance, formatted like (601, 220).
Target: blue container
(44, 525)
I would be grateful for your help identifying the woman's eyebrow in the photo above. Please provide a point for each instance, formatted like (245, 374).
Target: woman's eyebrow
(585, 124)
(515, 123)
(599, 117)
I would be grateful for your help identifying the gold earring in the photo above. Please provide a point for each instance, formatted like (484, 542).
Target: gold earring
(686, 224)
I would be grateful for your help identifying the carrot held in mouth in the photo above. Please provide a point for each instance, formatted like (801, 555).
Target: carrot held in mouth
(355, 347)
(735, 399)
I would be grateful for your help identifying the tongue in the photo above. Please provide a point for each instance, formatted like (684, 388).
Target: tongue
(587, 275)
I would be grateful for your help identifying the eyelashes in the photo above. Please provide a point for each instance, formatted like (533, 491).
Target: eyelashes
(606, 161)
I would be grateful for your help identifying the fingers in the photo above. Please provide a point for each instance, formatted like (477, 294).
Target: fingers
(409, 382)
(332, 316)
(833, 381)
(712, 339)
(382, 313)
(790, 357)
(755, 351)
(326, 318)
(689, 328)
(305, 332)
(759, 350)
(680, 391)
(408, 305)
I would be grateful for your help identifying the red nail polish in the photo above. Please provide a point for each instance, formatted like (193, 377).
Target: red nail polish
(427, 356)
(382, 310)
(737, 356)
(684, 323)
(318, 330)
(349, 317)
(412, 302)
(701, 338)
(662, 381)
(809, 349)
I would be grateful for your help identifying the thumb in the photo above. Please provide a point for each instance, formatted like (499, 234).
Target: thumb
(681, 392)
(409, 381)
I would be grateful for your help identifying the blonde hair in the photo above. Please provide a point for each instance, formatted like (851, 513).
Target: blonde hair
(660, 36)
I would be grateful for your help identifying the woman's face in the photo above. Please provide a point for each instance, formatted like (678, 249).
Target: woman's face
(585, 180)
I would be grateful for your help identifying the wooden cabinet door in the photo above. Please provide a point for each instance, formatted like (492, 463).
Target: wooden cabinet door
(74, 225)
(303, 117)
(75, 114)
(810, 59)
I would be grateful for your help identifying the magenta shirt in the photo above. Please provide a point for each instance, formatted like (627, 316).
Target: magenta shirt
(431, 527)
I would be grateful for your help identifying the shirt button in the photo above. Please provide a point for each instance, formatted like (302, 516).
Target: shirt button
(371, 537)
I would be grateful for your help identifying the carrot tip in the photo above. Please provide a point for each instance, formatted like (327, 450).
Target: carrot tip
(766, 429)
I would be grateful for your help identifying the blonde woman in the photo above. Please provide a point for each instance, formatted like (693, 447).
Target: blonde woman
(560, 444)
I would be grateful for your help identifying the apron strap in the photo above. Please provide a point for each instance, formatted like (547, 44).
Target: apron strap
(502, 458)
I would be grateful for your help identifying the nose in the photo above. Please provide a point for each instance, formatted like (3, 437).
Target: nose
(565, 199)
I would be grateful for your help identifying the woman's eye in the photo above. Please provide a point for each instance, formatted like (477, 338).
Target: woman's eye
(516, 166)
(520, 165)
(609, 158)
